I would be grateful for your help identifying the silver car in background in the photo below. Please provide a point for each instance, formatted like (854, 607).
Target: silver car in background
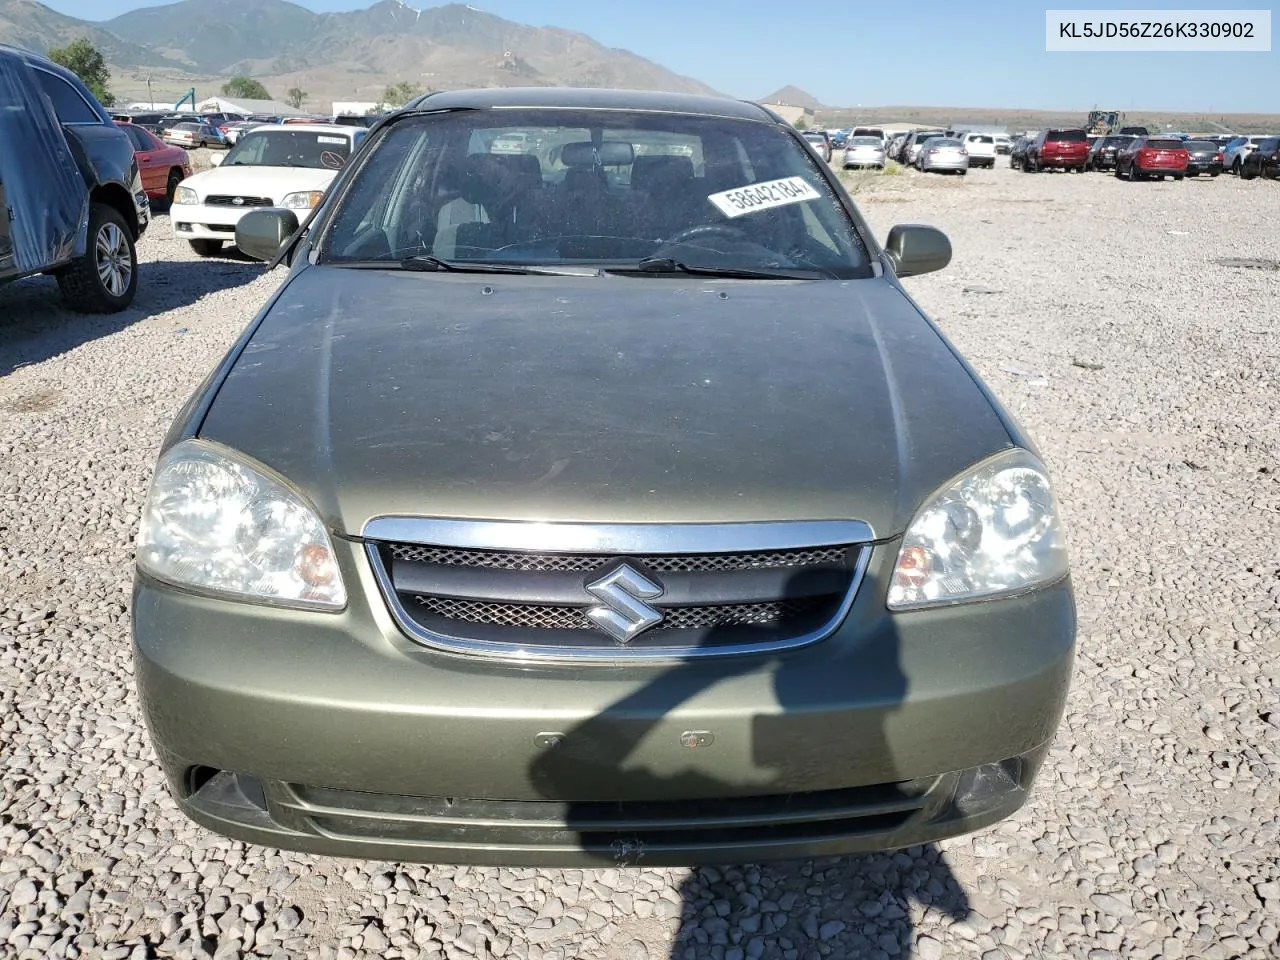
(915, 141)
(864, 152)
(943, 154)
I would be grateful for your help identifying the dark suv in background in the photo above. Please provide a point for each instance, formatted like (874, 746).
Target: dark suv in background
(1264, 161)
(1102, 155)
(70, 184)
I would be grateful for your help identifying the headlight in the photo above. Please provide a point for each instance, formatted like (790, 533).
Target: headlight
(993, 531)
(302, 201)
(185, 195)
(215, 522)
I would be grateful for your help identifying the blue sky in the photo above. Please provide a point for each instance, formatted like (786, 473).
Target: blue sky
(927, 52)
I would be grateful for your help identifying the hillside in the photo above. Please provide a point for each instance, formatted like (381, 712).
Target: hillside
(338, 55)
(794, 97)
(26, 23)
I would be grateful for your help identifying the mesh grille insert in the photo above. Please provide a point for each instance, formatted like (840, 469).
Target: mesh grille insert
(658, 563)
(544, 617)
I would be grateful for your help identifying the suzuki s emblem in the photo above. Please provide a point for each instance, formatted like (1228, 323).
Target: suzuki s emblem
(623, 614)
(238, 201)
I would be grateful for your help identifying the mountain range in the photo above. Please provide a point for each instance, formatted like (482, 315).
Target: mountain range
(453, 45)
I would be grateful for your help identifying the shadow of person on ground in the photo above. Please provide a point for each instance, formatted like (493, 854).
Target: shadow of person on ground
(35, 326)
(772, 759)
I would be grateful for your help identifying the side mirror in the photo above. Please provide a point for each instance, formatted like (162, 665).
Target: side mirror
(216, 159)
(913, 249)
(261, 233)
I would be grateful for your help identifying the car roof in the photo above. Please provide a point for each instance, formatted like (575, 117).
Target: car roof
(586, 98)
(35, 60)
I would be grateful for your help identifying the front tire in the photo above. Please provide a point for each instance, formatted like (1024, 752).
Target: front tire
(206, 248)
(175, 178)
(1246, 173)
(105, 279)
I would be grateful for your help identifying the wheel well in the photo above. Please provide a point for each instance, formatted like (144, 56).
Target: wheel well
(115, 196)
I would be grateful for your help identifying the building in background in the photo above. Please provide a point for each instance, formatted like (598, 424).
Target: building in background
(248, 107)
(354, 108)
(792, 113)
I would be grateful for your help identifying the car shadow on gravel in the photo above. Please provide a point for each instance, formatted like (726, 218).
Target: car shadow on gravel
(35, 326)
(840, 907)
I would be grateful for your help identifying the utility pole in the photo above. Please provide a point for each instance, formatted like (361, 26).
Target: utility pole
(151, 99)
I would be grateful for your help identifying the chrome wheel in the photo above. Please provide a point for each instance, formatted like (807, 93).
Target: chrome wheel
(115, 264)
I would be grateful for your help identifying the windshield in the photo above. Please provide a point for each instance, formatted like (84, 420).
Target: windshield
(942, 142)
(290, 148)
(605, 188)
(1163, 143)
(1201, 146)
(981, 139)
(1067, 136)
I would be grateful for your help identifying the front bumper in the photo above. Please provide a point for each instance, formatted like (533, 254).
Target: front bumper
(336, 734)
(197, 221)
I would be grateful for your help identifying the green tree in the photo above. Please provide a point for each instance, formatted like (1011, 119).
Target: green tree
(246, 88)
(84, 60)
(398, 94)
(295, 97)
(802, 124)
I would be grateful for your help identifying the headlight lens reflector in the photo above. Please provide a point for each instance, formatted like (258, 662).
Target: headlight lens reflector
(996, 530)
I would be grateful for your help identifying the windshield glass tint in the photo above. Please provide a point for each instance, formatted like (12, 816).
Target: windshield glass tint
(290, 148)
(1201, 146)
(1164, 144)
(1067, 136)
(594, 187)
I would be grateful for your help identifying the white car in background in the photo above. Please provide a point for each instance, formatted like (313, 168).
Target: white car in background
(982, 149)
(270, 166)
(864, 152)
(1236, 150)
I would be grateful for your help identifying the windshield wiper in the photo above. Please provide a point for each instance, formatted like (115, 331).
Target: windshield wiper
(427, 263)
(669, 265)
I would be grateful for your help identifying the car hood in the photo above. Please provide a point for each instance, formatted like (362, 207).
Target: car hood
(603, 399)
(273, 182)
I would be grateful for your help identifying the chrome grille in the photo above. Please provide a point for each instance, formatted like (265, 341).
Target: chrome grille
(658, 563)
(220, 200)
(491, 588)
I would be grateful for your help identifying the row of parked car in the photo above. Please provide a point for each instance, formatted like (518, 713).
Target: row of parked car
(1138, 155)
(78, 183)
(215, 130)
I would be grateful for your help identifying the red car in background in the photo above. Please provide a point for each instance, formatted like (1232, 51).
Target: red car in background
(162, 167)
(1157, 157)
(1068, 149)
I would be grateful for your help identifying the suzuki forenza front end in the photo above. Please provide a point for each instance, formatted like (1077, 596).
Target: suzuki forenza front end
(604, 500)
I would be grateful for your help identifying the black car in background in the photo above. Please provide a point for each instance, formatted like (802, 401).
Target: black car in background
(1102, 155)
(1203, 156)
(1263, 162)
(1018, 152)
(69, 184)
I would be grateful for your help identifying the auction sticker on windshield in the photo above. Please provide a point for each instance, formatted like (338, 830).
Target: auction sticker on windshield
(764, 196)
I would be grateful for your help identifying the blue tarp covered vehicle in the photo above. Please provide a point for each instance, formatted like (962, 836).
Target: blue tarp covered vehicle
(71, 200)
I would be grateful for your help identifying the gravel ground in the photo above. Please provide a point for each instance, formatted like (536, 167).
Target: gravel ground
(1095, 308)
